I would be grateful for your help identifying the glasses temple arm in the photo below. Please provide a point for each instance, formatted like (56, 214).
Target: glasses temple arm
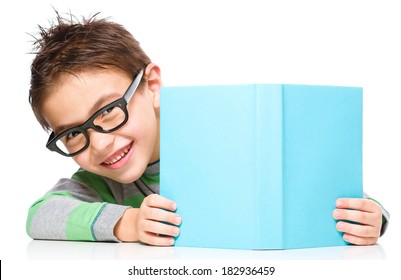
(132, 88)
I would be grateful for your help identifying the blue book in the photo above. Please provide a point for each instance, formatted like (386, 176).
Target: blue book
(260, 166)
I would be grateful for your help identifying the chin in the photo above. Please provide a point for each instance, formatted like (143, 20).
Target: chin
(125, 180)
(128, 177)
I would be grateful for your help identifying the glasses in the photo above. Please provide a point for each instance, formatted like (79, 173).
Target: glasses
(109, 118)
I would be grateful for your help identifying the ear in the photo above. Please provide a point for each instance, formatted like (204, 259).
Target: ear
(154, 82)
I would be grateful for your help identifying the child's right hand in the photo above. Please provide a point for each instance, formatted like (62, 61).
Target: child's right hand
(151, 226)
(148, 223)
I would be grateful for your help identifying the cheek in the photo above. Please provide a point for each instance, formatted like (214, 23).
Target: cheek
(83, 160)
(142, 125)
(138, 130)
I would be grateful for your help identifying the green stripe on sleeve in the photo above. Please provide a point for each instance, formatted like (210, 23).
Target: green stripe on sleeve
(81, 220)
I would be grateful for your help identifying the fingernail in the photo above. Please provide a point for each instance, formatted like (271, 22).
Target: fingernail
(173, 206)
(176, 231)
(337, 214)
(177, 220)
(171, 241)
(340, 226)
(339, 202)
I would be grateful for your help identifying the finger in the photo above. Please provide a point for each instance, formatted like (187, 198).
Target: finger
(357, 216)
(155, 200)
(161, 215)
(160, 228)
(362, 204)
(155, 239)
(358, 230)
(357, 240)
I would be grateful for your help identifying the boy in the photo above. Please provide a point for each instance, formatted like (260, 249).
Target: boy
(97, 92)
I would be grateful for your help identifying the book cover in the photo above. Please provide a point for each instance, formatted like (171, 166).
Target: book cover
(260, 166)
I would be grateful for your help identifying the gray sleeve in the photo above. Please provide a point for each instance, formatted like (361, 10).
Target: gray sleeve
(50, 216)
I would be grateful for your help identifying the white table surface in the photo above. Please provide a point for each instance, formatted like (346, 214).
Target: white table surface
(68, 250)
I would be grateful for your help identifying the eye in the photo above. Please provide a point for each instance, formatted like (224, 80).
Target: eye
(73, 134)
(108, 111)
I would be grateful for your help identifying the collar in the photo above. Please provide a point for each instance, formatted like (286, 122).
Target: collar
(153, 168)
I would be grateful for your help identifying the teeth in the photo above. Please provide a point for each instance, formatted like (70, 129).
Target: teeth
(117, 158)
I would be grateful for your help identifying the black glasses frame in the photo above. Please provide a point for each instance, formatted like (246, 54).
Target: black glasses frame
(121, 103)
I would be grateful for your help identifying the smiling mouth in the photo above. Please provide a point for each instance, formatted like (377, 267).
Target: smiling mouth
(116, 158)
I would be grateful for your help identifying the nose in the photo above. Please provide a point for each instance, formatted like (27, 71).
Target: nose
(100, 142)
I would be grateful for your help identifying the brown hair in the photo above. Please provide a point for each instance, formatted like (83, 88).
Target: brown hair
(72, 46)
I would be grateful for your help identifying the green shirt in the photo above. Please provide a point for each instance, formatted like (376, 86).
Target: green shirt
(88, 206)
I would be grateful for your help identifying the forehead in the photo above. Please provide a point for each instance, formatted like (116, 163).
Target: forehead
(71, 100)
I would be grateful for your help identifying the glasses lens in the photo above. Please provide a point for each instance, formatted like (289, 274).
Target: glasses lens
(110, 118)
(71, 142)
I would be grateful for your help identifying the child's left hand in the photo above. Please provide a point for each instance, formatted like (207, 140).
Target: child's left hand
(367, 216)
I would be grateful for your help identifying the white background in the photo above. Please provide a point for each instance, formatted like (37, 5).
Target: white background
(350, 43)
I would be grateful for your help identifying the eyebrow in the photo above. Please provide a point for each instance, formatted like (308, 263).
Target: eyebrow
(101, 102)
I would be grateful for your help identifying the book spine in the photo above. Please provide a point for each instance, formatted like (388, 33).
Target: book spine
(269, 158)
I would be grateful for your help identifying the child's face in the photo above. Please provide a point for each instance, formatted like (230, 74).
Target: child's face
(121, 155)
